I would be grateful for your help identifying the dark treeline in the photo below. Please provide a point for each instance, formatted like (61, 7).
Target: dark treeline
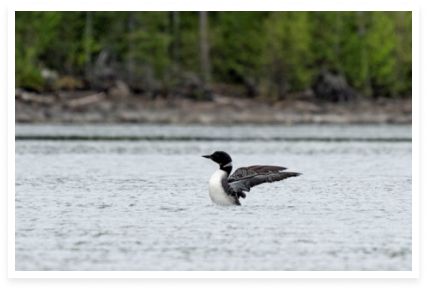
(267, 54)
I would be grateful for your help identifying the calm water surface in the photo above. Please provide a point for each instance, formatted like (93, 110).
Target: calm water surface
(128, 197)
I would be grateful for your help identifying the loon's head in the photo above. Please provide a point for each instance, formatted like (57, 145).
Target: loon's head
(220, 157)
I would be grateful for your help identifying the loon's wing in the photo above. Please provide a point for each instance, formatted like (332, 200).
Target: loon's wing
(230, 191)
(244, 178)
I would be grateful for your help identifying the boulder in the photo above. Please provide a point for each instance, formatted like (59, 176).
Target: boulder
(332, 87)
(191, 86)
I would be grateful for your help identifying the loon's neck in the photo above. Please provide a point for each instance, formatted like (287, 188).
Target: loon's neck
(227, 169)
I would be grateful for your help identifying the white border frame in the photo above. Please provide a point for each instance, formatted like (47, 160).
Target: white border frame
(213, 7)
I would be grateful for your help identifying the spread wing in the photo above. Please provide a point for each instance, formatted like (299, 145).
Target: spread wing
(244, 178)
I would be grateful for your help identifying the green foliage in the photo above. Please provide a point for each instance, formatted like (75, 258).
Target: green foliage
(326, 34)
(151, 42)
(188, 57)
(287, 50)
(237, 44)
(381, 42)
(353, 48)
(27, 75)
(29, 45)
(281, 50)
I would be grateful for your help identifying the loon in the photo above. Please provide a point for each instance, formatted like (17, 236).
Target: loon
(226, 189)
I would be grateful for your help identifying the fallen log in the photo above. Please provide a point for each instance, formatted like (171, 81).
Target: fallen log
(86, 100)
(28, 97)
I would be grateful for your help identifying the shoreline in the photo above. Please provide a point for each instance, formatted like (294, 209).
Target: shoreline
(89, 107)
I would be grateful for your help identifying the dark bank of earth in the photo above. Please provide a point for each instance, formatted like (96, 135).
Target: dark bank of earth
(94, 107)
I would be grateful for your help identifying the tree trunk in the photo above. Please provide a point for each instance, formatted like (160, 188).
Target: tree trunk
(364, 54)
(337, 42)
(175, 47)
(130, 62)
(88, 42)
(204, 46)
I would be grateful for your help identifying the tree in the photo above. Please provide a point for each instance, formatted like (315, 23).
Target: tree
(204, 46)
(287, 52)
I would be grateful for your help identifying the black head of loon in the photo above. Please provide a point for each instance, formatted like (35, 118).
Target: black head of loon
(222, 158)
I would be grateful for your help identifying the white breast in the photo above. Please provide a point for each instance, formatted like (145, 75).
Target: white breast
(216, 191)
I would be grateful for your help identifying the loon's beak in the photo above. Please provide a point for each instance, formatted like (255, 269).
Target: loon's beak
(207, 156)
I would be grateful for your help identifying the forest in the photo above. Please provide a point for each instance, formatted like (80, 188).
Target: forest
(270, 55)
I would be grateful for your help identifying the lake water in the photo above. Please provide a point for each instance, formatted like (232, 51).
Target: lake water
(135, 197)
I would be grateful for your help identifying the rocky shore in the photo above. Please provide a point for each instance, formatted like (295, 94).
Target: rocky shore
(105, 107)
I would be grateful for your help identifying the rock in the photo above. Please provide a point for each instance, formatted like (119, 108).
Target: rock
(49, 75)
(120, 90)
(333, 88)
(95, 107)
(191, 86)
(251, 85)
(104, 73)
(18, 92)
(68, 83)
